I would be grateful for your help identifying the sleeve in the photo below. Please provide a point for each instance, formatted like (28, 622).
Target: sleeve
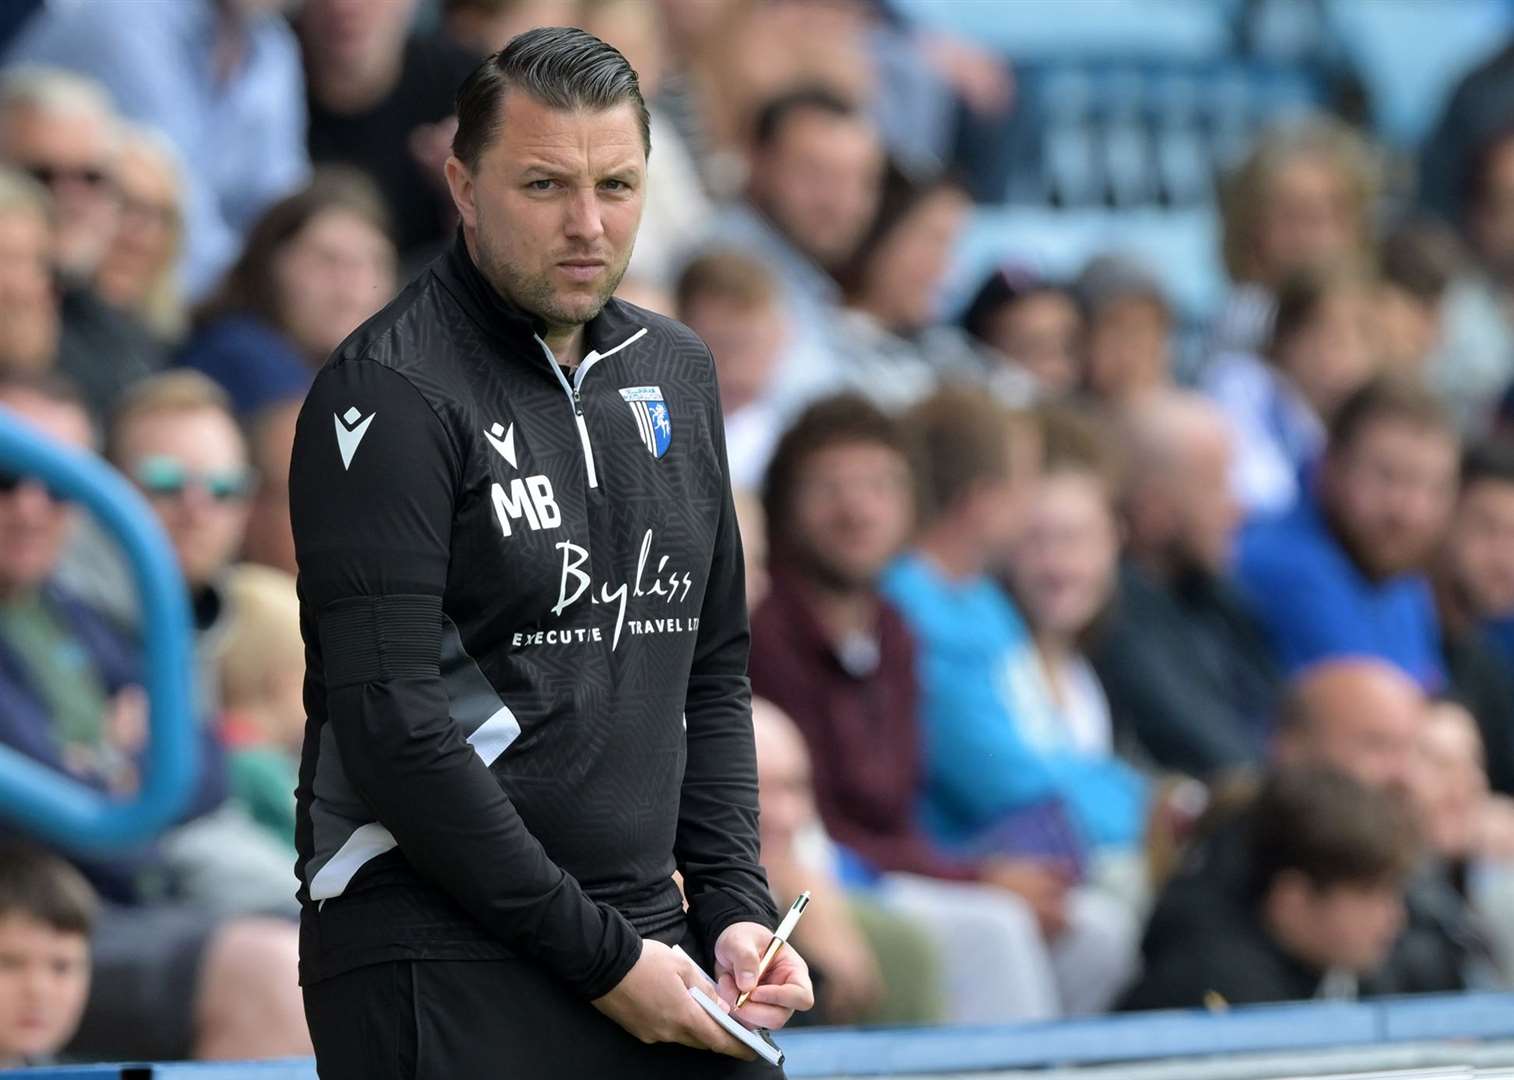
(716, 844)
(372, 515)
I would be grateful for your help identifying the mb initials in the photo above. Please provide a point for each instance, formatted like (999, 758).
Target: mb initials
(530, 498)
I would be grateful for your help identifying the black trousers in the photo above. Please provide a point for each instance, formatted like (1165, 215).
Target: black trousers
(486, 1020)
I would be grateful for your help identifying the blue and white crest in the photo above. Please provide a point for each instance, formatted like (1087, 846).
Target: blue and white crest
(652, 417)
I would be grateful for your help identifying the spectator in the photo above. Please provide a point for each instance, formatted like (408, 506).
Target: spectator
(1474, 590)
(29, 317)
(732, 301)
(1185, 663)
(839, 657)
(47, 911)
(140, 271)
(1416, 265)
(270, 537)
(816, 178)
(887, 342)
(262, 672)
(871, 966)
(61, 129)
(381, 101)
(1302, 200)
(1280, 403)
(1062, 575)
(1127, 350)
(1033, 324)
(1327, 860)
(1344, 573)
(1364, 718)
(317, 264)
(1477, 109)
(220, 78)
(173, 979)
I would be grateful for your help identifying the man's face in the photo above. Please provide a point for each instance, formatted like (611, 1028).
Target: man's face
(354, 35)
(28, 307)
(1451, 781)
(819, 182)
(746, 341)
(1333, 356)
(1127, 350)
(1371, 735)
(1040, 334)
(785, 794)
(1493, 216)
(1480, 547)
(1390, 494)
(192, 466)
(1064, 564)
(852, 511)
(1208, 514)
(34, 526)
(44, 980)
(1347, 926)
(71, 153)
(552, 210)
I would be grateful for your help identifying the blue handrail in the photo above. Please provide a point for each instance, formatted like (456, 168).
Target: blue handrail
(46, 802)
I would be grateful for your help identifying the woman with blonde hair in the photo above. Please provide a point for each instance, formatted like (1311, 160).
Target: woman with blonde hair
(139, 272)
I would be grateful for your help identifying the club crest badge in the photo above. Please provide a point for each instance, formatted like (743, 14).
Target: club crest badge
(652, 418)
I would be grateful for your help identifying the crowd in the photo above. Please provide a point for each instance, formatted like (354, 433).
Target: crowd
(1084, 679)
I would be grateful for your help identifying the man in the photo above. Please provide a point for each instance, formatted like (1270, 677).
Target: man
(171, 980)
(521, 597)
(817, 168)
(1185, 665)
(62, 130)
(1361, 717)
(838, 657)
(381, 100)
(1343, 574)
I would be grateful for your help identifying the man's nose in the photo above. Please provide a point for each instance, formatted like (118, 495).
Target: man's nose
(583, 216)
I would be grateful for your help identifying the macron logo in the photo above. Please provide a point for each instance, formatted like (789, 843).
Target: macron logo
(350, 432)
(503, 440)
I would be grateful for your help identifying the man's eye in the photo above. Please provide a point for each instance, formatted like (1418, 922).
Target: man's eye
(540, 185)
(615, 185)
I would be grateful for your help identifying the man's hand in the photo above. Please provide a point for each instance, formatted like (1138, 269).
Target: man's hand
(1040, 883)
(785, 987)
(652, 1002)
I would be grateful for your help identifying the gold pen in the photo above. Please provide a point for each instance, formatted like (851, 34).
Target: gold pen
(780, 938)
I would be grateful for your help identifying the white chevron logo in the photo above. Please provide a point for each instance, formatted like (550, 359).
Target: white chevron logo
(503, 440)
(349, 432)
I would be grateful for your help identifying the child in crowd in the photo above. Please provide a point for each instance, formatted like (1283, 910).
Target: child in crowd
(47, 911)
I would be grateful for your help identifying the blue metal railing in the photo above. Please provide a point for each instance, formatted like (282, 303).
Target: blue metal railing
(43, 801)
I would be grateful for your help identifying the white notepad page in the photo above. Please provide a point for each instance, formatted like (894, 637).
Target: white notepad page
(759, 1044)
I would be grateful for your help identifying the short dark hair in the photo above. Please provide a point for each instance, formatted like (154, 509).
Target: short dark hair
(961, 437)
(41, 886)
(1302, 294)
(1073, 439)
(1491, 460)
(726, 273)
(1005, 287)
(561, 67)
(1332, 829)
(1421, 258)
(777, 111)
(1389, 398)
(846, 419)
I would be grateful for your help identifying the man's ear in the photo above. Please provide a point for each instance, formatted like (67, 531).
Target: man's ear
(460, 183)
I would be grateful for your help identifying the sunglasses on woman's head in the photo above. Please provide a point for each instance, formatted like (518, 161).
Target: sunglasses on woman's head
(169, 478)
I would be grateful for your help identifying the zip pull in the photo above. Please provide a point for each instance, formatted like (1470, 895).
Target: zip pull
(578, 402)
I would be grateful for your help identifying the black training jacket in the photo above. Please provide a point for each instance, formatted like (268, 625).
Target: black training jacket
(521, 594)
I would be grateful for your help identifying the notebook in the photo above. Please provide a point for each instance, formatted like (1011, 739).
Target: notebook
(759, 1041)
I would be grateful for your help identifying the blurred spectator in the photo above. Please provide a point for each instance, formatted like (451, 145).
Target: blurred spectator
(381, 100)
(646, 293)
(838, 656)
(1303, 199)
(817, 175)
(1280, 402)
(1343, 574)
(751, 523)
(172, 979)
(140, 271)
(1127, 350)
(29, 317)
(888, 342)
(676, 209)
(1364, 718)
(1185, 663)
(270, 438)
(1416, 265)
(262, 662)
(1062, 576)
(316, 265)
(1327, 859)
(482, 27)
(60, 128)
(47, 911)
(1476, 359)
(871, 966)
(220, 78)
(1033, 324)
(1474, 587)
(1477, 109)
(734, 303)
